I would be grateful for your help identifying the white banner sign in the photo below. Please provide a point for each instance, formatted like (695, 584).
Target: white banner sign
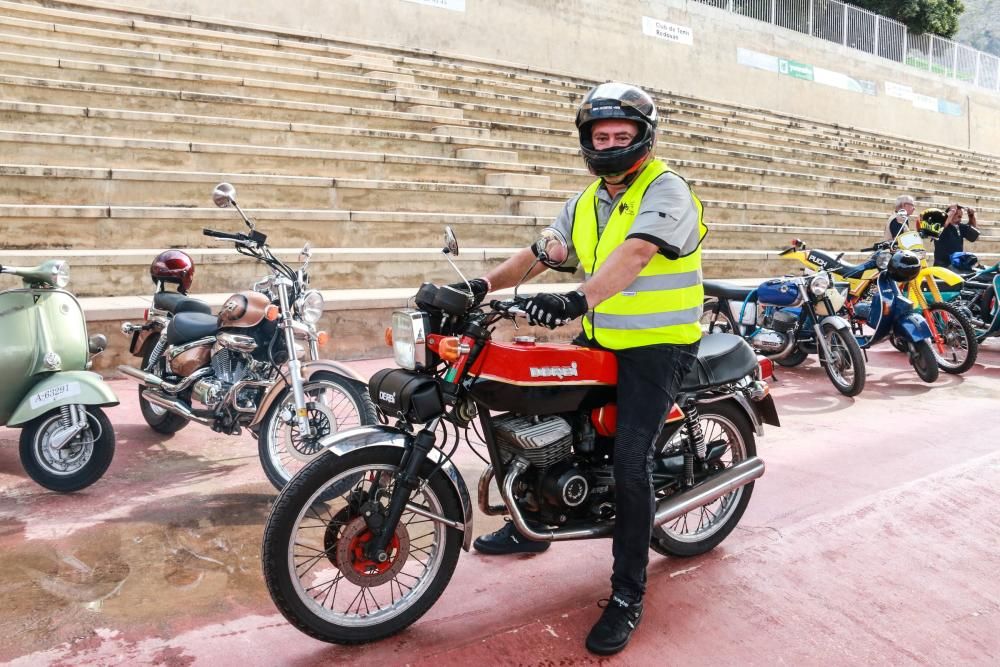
(898, 90)
(668, 31)
(454, 5)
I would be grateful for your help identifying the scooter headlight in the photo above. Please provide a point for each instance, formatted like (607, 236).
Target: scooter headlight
(819, 284)
(882, 259)
(311, 307)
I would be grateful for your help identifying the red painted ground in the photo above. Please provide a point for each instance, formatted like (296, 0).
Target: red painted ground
(871, 539)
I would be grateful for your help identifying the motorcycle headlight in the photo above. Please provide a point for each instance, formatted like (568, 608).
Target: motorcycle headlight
(60, 273)
(882, 259)
(820, 283)
(311, 307)
(409, 339)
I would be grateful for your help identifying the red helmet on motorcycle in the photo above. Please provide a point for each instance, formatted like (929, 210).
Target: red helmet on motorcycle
(173, 266)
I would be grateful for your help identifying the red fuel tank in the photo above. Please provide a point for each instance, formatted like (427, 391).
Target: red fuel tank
(543, 378)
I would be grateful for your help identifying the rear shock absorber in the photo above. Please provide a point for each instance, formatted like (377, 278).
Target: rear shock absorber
(696, 438)
(161, 344)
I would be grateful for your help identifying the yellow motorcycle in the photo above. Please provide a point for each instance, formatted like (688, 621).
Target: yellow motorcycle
(953, 336)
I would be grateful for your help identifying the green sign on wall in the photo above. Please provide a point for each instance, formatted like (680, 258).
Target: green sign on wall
(795, 69)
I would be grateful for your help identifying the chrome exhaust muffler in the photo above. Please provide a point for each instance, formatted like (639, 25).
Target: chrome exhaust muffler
(668, 509)
(175, 406)
(151, 380)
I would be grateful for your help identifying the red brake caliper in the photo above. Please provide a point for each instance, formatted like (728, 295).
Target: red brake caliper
(361, 563)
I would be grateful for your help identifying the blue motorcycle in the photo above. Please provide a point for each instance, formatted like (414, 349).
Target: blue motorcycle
(787, 319)
(978, 297)
(889, 313)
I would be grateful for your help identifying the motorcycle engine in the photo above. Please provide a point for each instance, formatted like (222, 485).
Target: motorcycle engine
(556, 486)
(209, 392)
(768, 341)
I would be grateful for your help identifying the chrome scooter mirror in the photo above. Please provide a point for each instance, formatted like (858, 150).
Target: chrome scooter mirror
(551, 248)
(451, 248)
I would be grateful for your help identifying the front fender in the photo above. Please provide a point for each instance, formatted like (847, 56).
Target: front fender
(309, 368)
(942, 273)
(837, 322)
(63, 388)
(912, 327)
(387, 436)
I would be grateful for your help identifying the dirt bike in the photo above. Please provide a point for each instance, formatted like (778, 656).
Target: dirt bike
(243, 367)
(364, 539)
(67, 442)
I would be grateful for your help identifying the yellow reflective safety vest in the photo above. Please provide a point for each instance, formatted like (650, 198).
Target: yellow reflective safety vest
(664, 303)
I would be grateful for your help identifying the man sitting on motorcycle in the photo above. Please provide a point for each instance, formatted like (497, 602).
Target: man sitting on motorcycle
(637, 231)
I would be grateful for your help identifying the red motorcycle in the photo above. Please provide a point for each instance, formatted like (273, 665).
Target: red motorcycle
(364, 538)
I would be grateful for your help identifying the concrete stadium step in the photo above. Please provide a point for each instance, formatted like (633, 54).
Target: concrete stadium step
(104, 273)
(97, 227)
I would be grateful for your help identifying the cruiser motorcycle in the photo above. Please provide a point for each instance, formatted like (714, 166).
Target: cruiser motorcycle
(67, 442)
(364, 539)
(243, 368)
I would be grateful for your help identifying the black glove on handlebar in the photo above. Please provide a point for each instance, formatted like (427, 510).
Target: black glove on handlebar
(552, 310)
(480, 288)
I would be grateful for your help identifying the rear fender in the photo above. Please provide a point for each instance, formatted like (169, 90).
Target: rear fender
(63, 388)
(309, 368)
(387, 436)
(759, 411)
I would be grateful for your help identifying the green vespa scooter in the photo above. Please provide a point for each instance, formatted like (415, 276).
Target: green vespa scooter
(66, 440)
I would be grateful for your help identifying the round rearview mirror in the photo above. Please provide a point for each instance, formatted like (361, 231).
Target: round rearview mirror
(450, 242)
(551, 248)
(224, 195)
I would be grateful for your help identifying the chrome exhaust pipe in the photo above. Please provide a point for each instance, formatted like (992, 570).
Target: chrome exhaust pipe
(175, 406)
(151, 380)
(484, 495)
(708, 491)
(670, 508)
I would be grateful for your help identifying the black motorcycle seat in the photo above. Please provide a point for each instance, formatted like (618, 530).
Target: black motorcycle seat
(723, 290)
(185, 327)
(174, 302)
(722, 358)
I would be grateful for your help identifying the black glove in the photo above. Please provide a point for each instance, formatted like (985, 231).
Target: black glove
(553, 310)
(480, 288)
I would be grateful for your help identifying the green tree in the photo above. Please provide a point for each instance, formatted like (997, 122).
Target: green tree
(938, 17)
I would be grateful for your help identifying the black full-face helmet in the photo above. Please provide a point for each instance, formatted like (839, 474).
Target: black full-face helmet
(903, 266)
(616, 100)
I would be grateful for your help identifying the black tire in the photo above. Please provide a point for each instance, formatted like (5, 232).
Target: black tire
(90, 456)
(363, 414)
(793, 359)
(159, 420)
(953, 325)
(923, 360)
(845, 348)
(716, 319)
(280, 528)
(732, 417)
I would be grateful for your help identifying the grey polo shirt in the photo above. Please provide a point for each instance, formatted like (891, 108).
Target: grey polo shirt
(667, 217)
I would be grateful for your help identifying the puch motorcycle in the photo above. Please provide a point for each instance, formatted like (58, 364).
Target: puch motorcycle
(243, 368)
(365, 538)
(66, 442)
(787, 319)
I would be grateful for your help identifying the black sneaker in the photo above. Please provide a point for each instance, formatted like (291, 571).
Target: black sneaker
(508, 540)
(615, 626)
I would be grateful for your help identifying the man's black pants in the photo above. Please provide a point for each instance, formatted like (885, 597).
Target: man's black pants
(649, 379)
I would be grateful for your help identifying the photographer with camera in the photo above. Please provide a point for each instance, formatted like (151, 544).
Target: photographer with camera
(948, 231)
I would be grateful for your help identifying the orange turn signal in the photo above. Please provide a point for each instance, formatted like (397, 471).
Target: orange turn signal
(271, 313)
(449, 348)
(388, 336)
(322, 338)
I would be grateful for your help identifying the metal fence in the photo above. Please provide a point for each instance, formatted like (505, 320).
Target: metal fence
(869, 32)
